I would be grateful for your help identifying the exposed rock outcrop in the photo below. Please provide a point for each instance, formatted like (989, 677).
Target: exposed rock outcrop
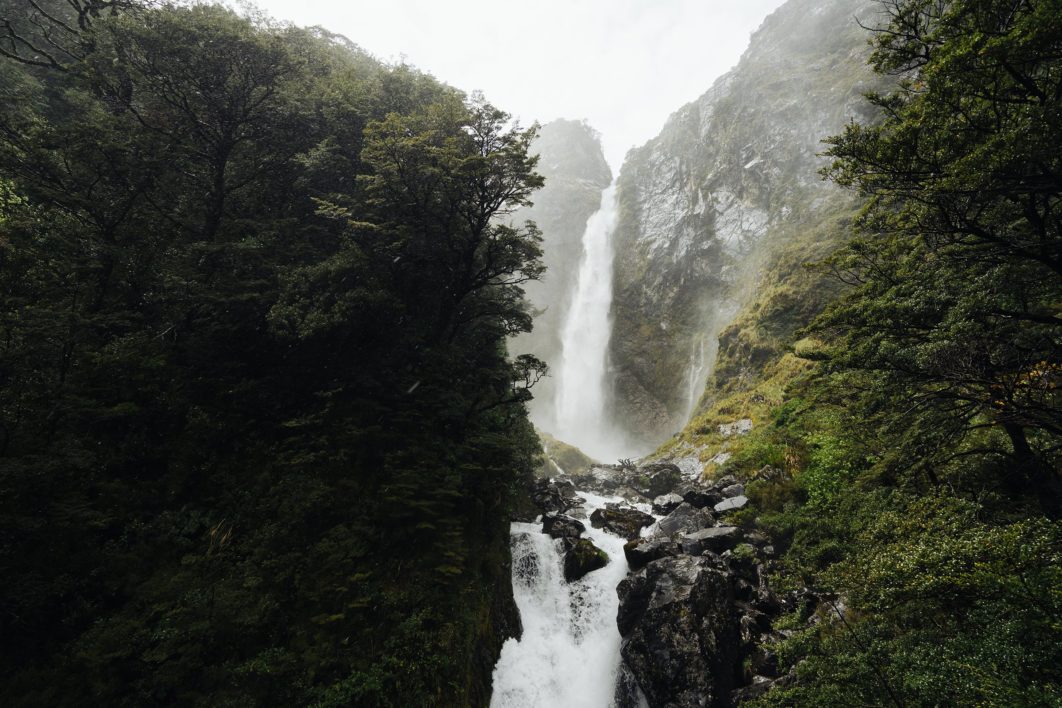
(730, 172)
(642, 551)
(682, 633)
(696, 610)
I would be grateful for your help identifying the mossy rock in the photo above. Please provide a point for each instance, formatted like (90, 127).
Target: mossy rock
(560, 456)
(583, 557)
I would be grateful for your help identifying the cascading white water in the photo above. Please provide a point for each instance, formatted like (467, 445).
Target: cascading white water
(582, 418)
(696, 378)
(569, 654)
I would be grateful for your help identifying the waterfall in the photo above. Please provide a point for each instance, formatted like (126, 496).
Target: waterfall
(569, 654)
(582, 416)
(699, 367)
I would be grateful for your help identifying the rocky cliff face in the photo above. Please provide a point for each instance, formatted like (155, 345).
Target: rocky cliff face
(571, 160)
(726, 179)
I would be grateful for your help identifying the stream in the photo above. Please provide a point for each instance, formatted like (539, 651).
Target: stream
(569, 655)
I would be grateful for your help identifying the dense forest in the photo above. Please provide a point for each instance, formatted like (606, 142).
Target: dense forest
(259, 432)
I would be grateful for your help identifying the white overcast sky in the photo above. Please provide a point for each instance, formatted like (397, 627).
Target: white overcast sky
(623, 65)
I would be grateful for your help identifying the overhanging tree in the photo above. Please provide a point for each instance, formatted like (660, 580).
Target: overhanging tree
(954, 325)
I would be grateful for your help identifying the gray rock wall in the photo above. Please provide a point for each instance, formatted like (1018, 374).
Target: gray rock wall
(700, 201)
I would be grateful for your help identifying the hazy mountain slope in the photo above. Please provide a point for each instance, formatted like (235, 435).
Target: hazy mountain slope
(730, 172)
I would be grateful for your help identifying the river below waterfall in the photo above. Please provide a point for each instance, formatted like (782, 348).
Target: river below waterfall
(569, 654)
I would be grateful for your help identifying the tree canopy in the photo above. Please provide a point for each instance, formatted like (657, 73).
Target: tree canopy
(955, 312)
(259, 431)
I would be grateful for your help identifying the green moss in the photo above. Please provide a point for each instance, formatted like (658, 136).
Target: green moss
(564, 457)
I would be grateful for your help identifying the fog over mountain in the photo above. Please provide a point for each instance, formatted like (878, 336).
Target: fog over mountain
(622, 65)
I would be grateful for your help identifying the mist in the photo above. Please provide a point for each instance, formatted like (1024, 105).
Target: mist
(622, 65)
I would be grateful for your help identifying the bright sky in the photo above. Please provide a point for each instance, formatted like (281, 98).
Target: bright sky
(623, 65)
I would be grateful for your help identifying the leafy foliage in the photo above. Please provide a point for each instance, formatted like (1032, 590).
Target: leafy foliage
(957, 278)
(259, 432)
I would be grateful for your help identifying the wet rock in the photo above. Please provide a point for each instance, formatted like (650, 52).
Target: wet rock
(627, 523)
(731, 504)
(663, 477)
(734, 490)
(561, 526)
(701, 497)
(628, 694)
(666, 503)
(684, 519)
(642, 551)
(578, 512)
(630, 494)
(716, 539)
(557, 496)
(681, 631)
(582, 558)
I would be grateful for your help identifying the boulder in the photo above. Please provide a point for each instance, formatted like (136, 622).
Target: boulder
(662, 478)
(734, 490)
(630, 494)
(578, 512)
(700, 497)
(642, 551)
(757, 538)
(724, 481)
(666, 503)
(684, 519)
(764, 661)
(549, 495)
(582, 558)
(731, 504)
(561, 526)
(681, 632)
(716, 539)
(624, 522)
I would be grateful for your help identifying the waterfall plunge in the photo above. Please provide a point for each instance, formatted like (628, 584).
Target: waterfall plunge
(582, 416)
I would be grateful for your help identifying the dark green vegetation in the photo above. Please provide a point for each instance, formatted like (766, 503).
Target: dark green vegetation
(258, 432)
(907, 447)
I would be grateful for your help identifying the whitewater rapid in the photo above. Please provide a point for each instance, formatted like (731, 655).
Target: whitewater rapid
(569, 654)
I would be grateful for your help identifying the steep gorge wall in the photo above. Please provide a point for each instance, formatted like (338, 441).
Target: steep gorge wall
(731, 175)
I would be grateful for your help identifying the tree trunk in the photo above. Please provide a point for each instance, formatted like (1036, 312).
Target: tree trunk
(1043, 481)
